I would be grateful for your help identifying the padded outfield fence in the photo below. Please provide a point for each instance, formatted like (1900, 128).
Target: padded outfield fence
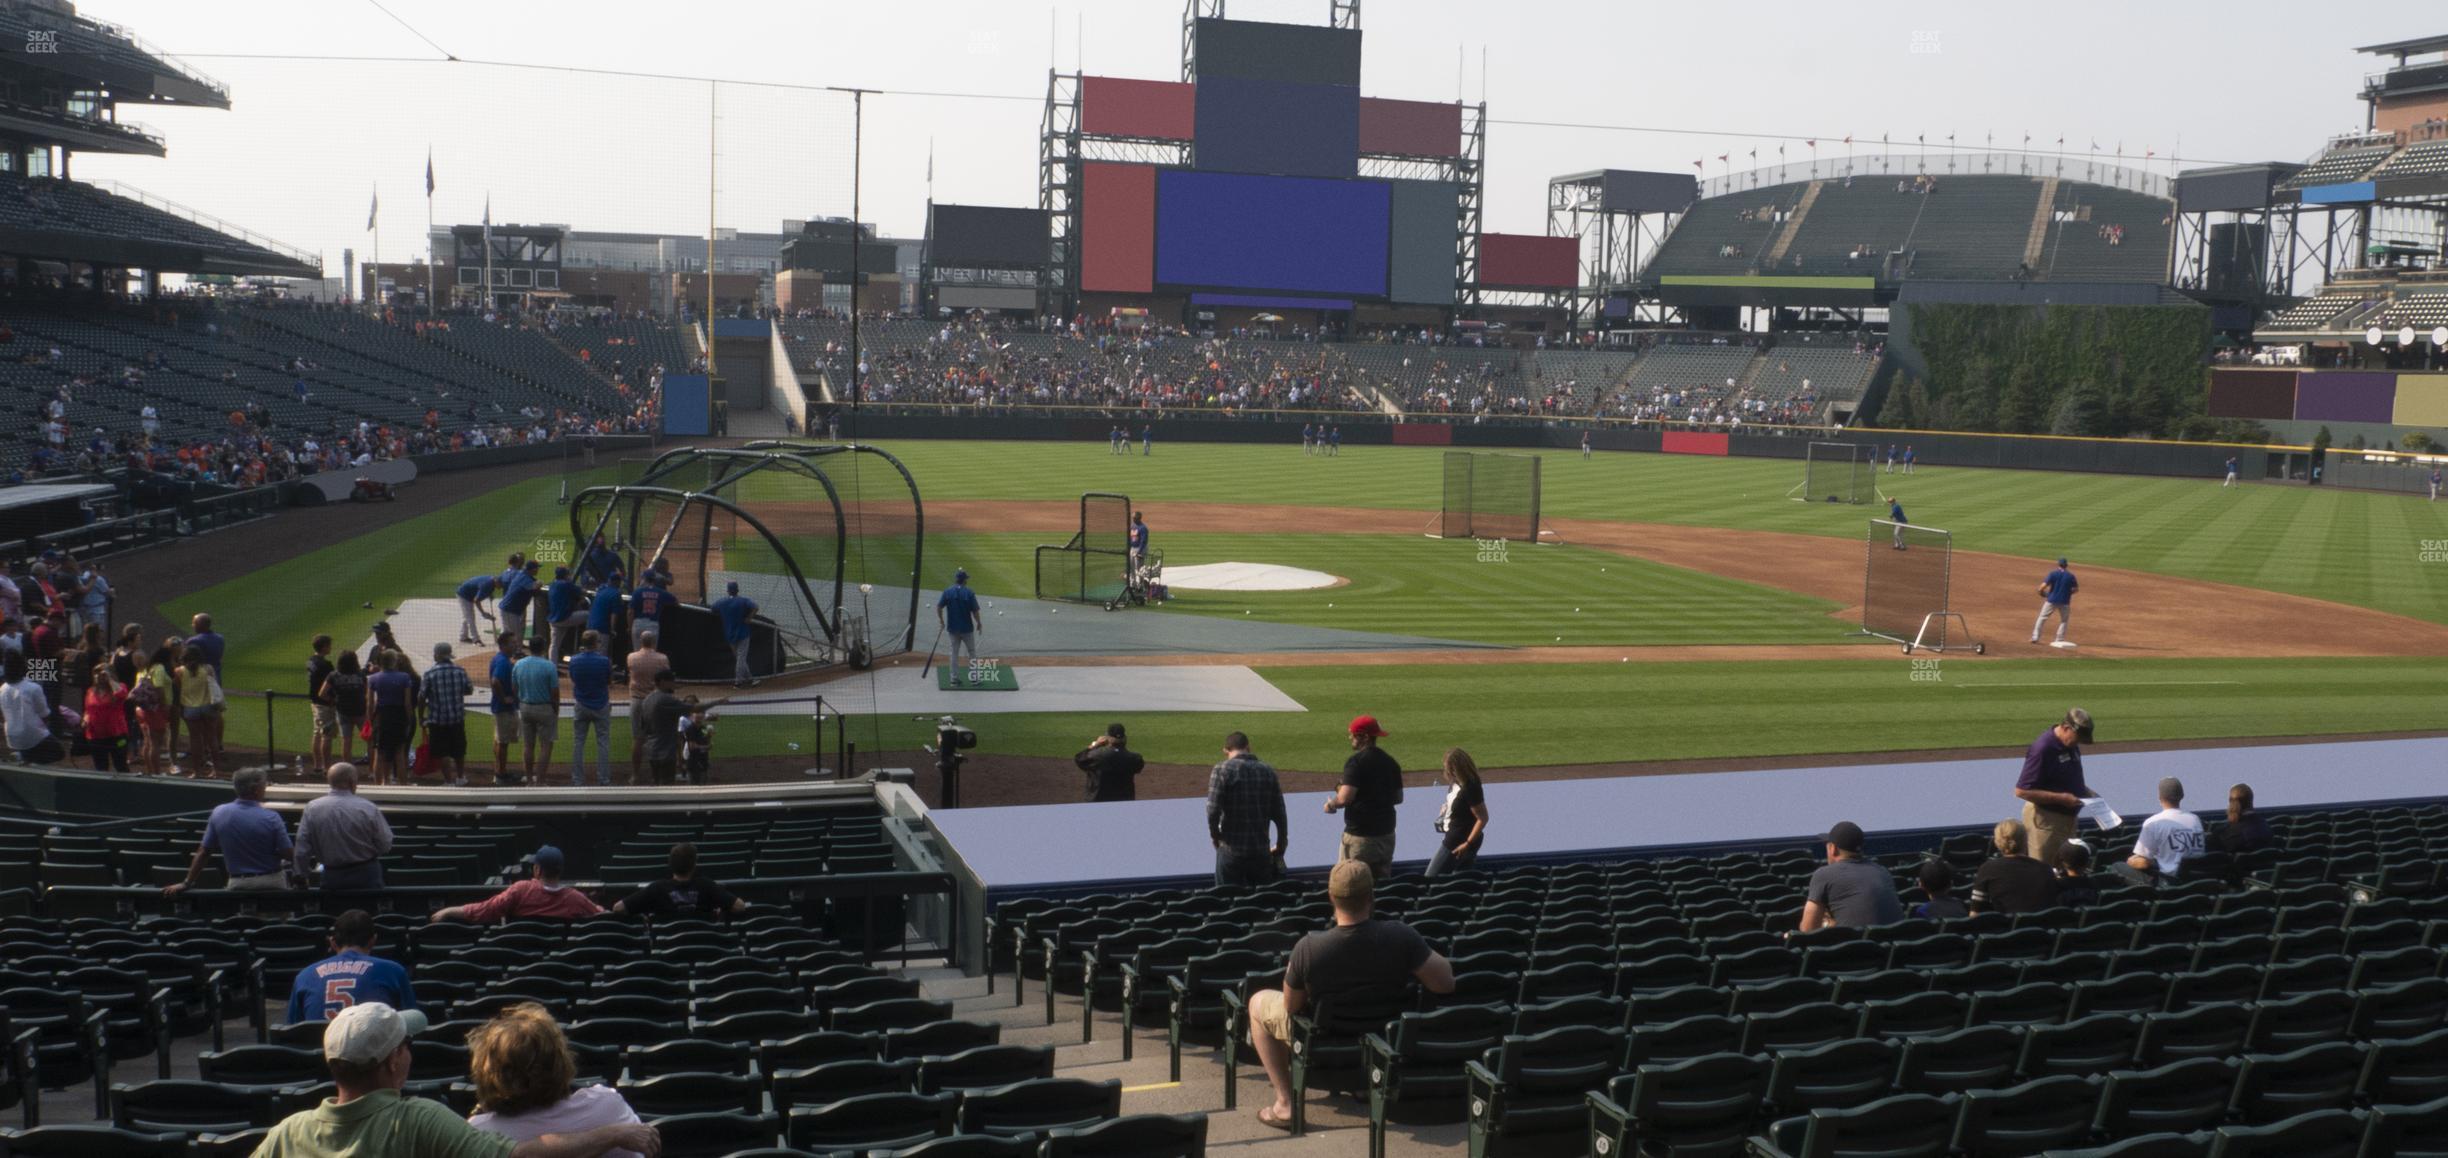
(1094, 566)
(1907, 575)
(1490, 496)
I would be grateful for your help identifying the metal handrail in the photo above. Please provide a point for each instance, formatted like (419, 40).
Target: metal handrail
(208, 221)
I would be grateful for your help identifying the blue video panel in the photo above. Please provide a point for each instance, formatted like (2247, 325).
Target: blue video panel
(1295, 234)
(1274, 126)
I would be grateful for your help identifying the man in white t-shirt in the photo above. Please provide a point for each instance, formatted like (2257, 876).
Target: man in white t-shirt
(2167, 838)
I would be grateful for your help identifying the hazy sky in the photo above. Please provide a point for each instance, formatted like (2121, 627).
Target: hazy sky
(308, 140)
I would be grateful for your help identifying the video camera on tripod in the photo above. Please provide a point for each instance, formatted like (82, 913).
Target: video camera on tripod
(951, 738)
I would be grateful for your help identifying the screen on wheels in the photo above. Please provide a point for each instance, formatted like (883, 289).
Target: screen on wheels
(1297, 234)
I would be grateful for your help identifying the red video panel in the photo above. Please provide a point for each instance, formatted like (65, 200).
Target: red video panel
(1118, 228)
(1166, 110)
(1693, 442)
(1528, 261)
(1411, 128)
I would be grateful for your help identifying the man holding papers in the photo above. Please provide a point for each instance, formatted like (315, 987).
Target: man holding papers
(2051, 787)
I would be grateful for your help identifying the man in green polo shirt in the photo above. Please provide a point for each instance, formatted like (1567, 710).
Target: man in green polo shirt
(367, 1050)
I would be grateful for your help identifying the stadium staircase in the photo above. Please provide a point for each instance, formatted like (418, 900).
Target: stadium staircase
(2035, 244)
(1793, 223)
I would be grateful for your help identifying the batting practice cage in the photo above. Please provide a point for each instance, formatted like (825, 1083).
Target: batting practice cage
(1905, 583)
(1094, 567)
(1490, 496)
(1836, 472)
(826, 538)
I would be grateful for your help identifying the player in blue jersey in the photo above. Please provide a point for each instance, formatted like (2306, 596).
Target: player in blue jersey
(2056, 597)
(1895, 514)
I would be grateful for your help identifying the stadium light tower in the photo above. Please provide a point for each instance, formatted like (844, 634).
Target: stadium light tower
(858, 113)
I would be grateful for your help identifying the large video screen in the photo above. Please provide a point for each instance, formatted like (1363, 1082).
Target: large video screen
(1297, 234)
(1420, 249)
(1269, 126)
(1258, 50)
(986, 237)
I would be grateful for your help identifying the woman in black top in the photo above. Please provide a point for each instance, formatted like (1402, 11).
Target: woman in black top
(1464, 818)
(347, 689)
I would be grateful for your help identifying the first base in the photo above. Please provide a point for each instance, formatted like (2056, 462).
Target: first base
(2064, 643)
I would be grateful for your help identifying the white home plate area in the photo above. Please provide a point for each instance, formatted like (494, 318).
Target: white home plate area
(1246, 577)
(1220, 688)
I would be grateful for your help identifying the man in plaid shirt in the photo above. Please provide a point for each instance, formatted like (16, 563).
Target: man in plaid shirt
(1243, 797)
(446, 692)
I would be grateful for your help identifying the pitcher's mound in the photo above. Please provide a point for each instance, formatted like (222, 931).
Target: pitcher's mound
(1247, 577)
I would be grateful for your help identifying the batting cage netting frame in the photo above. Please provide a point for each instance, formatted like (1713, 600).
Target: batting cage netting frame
(1094, 567)
(1490, 496)
(833, 557)
(1827, 478)
(1907, 577)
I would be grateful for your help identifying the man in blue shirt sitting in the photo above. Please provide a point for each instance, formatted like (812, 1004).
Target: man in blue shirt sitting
(472, 597)
(352, 974)
(590, 675)
(565, 608)
(735, 610)
(253, 840)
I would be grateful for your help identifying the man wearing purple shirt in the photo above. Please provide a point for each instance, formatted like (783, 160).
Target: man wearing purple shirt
(2051, 787)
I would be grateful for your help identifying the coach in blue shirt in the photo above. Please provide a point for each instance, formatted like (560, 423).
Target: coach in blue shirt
(2056, 598)
(956, 615)
(565, 607)
(517, 596)
(1895, 514)
(735, 610)
(604, 609)
(590, 676)
(351, 975)
(472, 595)
(253, 840)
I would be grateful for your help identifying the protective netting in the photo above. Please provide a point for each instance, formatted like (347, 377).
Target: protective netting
(1905, 582)
(1094, 567)
(1491, 496)
(1836, 472)
(826, 540)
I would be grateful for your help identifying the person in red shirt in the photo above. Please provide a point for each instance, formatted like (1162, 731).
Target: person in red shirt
(106, 721)
(540, 895)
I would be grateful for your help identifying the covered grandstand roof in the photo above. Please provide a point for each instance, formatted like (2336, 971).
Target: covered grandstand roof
(2408, 47)
(89, 49)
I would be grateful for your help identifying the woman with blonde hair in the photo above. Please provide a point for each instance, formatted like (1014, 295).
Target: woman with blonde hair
(526, 1080)
(1463, 821)
(2012, 882)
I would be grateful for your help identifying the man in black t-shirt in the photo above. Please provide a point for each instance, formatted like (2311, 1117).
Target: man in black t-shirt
(319, 671)
(684, 894)
(1360, 953)
(659, 721)
(1372, 786)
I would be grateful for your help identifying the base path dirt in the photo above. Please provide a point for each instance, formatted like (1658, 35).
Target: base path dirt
(2122, 614)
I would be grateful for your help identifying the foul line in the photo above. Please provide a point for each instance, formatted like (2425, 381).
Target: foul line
(2118, 684)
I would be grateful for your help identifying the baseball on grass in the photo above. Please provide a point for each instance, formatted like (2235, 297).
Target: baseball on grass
(866, 588)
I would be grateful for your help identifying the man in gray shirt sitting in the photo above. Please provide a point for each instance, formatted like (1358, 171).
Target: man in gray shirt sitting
(1850, 889)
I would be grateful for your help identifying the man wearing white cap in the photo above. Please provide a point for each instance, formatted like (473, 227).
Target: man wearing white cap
(366, 1047)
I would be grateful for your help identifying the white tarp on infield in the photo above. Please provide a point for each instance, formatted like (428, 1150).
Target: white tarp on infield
(1246, 577)
(1186, 688)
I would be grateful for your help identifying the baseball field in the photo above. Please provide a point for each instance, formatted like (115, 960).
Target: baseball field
(1690, 610)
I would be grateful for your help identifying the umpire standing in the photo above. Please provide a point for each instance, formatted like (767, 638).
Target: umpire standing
(2052, 787)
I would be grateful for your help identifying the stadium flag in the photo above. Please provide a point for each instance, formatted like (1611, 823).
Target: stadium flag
(429, 186)
(1700, 165)
(1813, 144)
(374, 212)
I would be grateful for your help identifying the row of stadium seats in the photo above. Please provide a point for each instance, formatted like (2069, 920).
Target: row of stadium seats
(55, 205)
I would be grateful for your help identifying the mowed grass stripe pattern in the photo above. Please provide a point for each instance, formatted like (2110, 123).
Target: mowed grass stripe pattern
(2346, 546)
(1426, 587)
(1530, 715)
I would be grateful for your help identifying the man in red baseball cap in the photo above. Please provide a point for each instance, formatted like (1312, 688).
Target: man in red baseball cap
(1372, 786)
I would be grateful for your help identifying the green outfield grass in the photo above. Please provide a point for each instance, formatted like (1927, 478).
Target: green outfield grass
(1417, 586)
(1536, 714)
(2347, 546)
(2351, 547)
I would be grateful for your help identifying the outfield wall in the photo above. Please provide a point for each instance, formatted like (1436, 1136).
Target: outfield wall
(2013, 452)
